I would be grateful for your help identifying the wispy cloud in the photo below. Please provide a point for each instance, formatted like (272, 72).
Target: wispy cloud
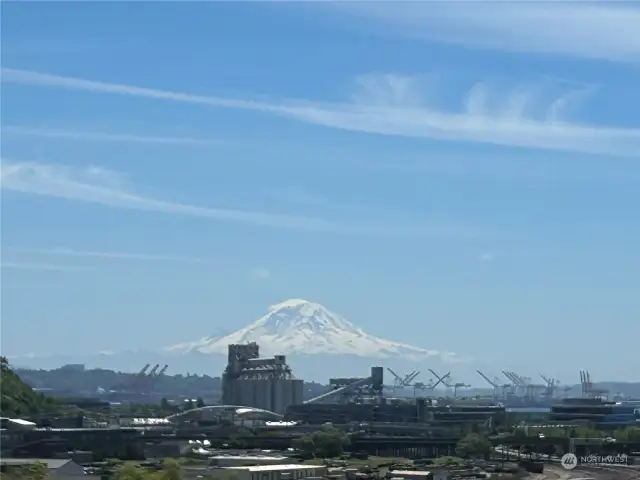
(42, 267)
(388, 106)
(103, 187)
(95, 185)
(595, 30)
(298, 196)
(61, 251)
(26, 131)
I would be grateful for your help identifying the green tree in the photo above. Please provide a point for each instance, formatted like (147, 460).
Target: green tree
(630, 434)
(305, 445)
(130, 472)
(17, 399)
(171, 471)
(473, 445)
(586, 432)
(33, 471)
(329, 442)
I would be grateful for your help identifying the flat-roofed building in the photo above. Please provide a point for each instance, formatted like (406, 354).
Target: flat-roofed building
(248, 460)
(411, 474)
(278, 472)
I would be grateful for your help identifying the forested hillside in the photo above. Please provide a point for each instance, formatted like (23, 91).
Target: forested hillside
(19, 399)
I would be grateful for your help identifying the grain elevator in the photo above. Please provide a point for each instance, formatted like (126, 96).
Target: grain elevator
(266, 383)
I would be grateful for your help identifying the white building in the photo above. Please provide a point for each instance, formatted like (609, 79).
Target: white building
(411, 474)
(247, 460)
(275, 472)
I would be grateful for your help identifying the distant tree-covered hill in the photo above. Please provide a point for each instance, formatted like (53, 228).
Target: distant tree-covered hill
(75, 380)
(69, 381)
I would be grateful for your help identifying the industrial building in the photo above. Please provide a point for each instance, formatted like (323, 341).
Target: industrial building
(265, 383)
(410, 411)
(596, 411)
(247, 460)
(276, 472)
(362, 400)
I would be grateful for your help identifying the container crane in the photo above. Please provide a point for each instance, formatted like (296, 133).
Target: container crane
(588, 388)
(456, 386)
(551, 385)
(496, 387)
(400, 382)
(517, 383)
(411, 377)
(441, 379)
(421, 386)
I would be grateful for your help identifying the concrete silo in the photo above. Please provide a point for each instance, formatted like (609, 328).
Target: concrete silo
(266, 383)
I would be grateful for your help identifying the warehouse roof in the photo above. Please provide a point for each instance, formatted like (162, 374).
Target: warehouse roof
(52, 464)
(412, 473)
(267, 468)
(247, 457)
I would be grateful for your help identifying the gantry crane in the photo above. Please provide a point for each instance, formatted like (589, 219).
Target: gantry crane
(401, 382)
(456, 386)
(588, 388)
(441, 379)
(497, 388)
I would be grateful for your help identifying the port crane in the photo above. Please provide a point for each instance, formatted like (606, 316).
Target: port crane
(401, 382)
(441, 379)
(551, 385)
(521, 384)
(498, 389)
(588, 388)
(455, 386)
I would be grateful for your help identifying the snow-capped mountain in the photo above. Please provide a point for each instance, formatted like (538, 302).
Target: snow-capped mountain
(318, 343)
(301, 327)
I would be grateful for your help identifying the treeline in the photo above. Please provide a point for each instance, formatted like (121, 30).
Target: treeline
(90, 381)
(18, 398)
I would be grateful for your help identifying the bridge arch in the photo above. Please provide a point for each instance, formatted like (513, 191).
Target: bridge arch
(221, 411)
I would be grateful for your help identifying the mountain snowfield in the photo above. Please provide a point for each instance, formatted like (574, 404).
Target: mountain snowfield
(301, 327)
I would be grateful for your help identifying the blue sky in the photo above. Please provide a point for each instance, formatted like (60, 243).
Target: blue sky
(463, 179)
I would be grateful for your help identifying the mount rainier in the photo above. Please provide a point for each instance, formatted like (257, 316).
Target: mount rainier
(318, 344)
(300, 327)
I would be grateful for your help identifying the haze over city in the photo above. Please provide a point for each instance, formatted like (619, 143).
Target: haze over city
(464, 180)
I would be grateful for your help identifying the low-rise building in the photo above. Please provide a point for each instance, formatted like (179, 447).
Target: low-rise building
(14, 424)
(247, 460)
(64, 469)
(278, 472)
(410, 474)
